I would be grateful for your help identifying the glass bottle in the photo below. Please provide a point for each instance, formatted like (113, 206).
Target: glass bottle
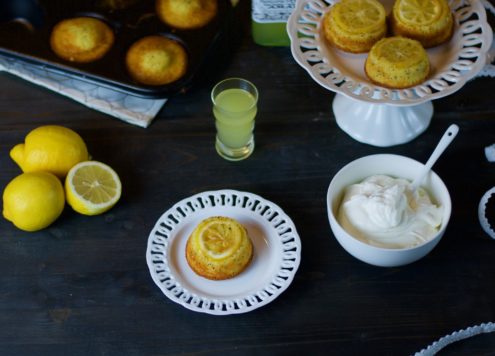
(269, 21)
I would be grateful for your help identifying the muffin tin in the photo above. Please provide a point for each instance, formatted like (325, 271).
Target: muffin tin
(25, 27)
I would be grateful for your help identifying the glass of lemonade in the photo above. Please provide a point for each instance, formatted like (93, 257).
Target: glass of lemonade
(234, 106)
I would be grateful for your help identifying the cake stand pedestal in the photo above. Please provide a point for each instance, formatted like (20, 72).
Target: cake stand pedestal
(381, 125)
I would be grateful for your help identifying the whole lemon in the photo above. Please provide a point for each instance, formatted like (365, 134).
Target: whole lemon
(51, 148)
(32, 201)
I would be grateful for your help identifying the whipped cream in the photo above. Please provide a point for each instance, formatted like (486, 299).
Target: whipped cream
(383, 211)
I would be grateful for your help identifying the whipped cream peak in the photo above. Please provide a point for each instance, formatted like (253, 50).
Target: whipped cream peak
(385, 212)
(386, 207)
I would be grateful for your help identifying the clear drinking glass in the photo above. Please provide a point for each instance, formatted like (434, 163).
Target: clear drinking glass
(234, 107)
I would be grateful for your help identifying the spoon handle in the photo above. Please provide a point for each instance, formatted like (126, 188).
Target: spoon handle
(446, 139)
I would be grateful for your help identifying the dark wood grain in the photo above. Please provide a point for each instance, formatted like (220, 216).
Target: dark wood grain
(82, 286)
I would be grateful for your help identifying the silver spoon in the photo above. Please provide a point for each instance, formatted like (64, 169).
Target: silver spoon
(446, 139)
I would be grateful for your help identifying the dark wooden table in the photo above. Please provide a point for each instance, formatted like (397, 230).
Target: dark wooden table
(82, 286)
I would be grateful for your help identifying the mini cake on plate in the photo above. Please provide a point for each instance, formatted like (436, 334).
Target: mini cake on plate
(186, 14)
(156, 60)
(81, 39)
(430, 22)
(219, 248)
(397, 62)
(355, 25)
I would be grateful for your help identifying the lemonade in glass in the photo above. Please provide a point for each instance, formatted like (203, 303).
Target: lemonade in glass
(234, 107)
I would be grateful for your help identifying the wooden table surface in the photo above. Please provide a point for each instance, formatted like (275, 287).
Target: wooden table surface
(82, 286)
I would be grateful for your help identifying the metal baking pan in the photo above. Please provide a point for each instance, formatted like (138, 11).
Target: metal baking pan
(25, 28)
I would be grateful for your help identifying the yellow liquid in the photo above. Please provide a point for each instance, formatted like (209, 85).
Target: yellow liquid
(234, 111)
(270, 34)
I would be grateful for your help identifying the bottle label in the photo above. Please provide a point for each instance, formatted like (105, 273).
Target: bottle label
(268, 11)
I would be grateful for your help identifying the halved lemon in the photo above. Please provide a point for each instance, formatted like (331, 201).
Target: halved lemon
(220, 237)
(359, 16)
(92, 187)
(419, 12)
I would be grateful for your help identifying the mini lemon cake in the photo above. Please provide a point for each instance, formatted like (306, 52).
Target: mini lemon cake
(219, 248)
(397, 62)
(81, 39)
(355, 25)
(428, 21)
(156, 60)
(186, 14)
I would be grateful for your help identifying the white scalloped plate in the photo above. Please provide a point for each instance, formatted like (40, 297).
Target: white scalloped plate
(277, 253)
(453, 63)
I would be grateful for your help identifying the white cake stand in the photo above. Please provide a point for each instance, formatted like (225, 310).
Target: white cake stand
(379, 116)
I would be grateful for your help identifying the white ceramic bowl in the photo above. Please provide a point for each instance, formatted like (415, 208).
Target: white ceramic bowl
(395, 166)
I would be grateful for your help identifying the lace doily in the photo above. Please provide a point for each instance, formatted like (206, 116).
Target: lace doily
(456, 336)
(485, 223)
(489, 69)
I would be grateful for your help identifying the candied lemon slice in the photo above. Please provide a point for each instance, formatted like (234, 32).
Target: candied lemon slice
(400, 51)
(420, 12)
(220, 237)
(359, 16)
(92, 187)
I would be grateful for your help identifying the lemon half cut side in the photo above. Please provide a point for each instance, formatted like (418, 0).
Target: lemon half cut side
(92, 187)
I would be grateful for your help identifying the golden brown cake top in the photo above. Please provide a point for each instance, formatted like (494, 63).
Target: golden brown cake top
(186, 14)
(355, 25)
(81, 39)
(397, 62)
(156, 60)
(429, 21)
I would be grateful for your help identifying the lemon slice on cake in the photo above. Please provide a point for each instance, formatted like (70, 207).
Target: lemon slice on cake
(92, 187)
(219, 248)
(419, 12)
(219, 238)
(355, 25)
(429, 21)
(359, 16)
(400, 51)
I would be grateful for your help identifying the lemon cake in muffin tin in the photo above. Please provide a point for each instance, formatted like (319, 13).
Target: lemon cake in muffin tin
(186, 14)
(355, 25)
(429, 21)
(397, 63)
(219, 248)
(89, 40)
(81, 39)
(156, 60)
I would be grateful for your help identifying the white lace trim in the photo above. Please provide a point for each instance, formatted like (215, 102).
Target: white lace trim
(489, 69)
(456, 336)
